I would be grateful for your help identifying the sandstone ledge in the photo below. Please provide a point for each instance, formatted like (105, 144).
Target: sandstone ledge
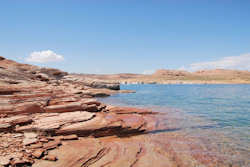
(48, 118)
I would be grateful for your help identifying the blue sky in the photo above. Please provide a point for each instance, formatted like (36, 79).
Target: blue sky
(104, 36)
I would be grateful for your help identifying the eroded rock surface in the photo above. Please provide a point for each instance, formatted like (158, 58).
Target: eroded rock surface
(41, 109)
(50, 118)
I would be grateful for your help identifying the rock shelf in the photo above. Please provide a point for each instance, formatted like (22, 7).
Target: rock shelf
(51, 118)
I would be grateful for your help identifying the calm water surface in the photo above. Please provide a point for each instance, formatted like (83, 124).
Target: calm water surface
(217, 113)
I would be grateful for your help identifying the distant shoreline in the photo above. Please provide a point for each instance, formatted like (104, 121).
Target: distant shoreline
(163, 76)
(179, 83)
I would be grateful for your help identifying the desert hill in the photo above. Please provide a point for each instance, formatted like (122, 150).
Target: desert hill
(164, 76)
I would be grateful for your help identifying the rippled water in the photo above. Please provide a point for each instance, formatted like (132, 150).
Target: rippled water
(220, 113)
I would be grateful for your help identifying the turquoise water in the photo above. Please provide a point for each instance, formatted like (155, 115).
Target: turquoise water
(210, 111)
(228, 105)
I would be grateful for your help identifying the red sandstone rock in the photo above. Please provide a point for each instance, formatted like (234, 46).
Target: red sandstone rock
(87, 127)
(90, 102)
(105, 125)
(60, 101)
(42, 77)
(4, 161)
(21, 162)
(16, 120)
(90, 108)
(70, 137)
(6, 109)
(30, 138)
(28, 141)
(76, 154)
(52, 121)
(128, 110)
(38, 153)
(24, 95)
(43, 140)
(51, 145)
(30, 107)
(8, 90)
(75, 106)
(50, 157)
(35, 146)
(30, 135)
(134, 121)
(5, 127)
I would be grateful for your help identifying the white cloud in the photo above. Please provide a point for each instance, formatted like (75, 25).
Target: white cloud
(44, 57)
(241, 62)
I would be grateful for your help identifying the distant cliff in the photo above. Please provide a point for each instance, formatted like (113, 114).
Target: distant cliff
(163, 76)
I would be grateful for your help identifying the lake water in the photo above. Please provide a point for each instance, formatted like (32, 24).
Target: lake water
(217, 113)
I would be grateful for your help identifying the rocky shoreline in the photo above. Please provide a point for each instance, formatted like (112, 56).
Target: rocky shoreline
(51, 118)
(40, 110)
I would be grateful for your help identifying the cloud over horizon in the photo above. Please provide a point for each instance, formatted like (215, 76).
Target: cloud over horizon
(45, 56)
(241, 62)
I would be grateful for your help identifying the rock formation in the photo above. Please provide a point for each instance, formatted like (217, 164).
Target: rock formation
(50, 118)
(40, 108)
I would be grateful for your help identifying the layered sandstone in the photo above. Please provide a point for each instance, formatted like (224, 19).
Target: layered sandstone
(41, 108)
(50, 118)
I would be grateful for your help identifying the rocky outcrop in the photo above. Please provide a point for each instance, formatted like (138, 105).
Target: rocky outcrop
(93, 83)
(53, 73)
(159, 150)
(102, 84)
(48, 118)
(40, 109)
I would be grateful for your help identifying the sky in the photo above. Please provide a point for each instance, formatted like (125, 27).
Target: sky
(126, 36)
